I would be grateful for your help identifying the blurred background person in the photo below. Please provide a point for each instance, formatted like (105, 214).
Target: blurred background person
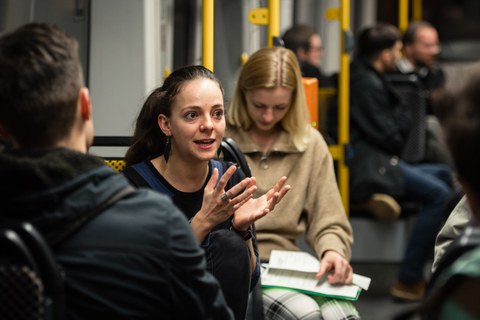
(307, 46)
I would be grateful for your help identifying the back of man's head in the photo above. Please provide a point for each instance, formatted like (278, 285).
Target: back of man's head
(459, 113)
(40, 79)
(298, 37)
(373, 40)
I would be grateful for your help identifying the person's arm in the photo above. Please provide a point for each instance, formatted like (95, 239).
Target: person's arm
(453, 227)
(194, 290)
(329, 232)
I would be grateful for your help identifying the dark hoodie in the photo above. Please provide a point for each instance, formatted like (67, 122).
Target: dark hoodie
(138, 259)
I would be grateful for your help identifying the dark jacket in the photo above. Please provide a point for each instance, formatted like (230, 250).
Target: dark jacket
(377, 114)
(311, 71)
(138, 259)
(379, 125)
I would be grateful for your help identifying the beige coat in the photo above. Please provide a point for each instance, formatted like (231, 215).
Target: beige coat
(313, 205)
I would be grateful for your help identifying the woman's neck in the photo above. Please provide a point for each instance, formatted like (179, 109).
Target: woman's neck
(264, 139)
(183, 176)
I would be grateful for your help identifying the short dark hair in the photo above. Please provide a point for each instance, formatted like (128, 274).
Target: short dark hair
(372, 40)
(410, 34)
(40, 79)
(459, 113)
(298, 37)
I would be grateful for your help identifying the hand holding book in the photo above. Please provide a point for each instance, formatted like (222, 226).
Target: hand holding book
(297, 270)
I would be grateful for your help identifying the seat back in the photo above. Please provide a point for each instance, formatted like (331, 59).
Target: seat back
(414, 97)
(231, 152)
(31, 284)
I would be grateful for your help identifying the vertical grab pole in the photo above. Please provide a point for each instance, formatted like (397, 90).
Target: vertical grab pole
(417, 10)
(344, 103)
(402, 15)
(207, 33)
(273, 20)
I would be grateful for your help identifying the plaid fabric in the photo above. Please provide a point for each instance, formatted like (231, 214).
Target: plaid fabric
(279, 304)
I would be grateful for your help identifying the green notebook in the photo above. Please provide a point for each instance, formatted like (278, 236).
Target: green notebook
(296, 270)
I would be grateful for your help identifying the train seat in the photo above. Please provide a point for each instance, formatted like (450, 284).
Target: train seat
(31, 282)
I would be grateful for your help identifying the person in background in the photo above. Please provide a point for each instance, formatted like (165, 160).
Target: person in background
(135, 258)
(458, 220)
(379, 123)
(307, 45)
(421, 49)
(268, 118)
(177, 136)
(454, 288)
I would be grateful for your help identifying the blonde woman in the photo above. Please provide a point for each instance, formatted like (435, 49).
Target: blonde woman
(268, 118)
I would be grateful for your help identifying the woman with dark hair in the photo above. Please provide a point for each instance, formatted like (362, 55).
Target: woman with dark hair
(178, 133)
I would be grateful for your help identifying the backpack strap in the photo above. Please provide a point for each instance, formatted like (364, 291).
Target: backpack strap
(217, 164)
(77, 224)
(144, 171)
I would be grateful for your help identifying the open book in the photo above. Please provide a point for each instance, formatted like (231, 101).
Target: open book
(296, 270)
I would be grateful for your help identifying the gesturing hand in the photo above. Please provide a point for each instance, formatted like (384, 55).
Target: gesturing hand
(217, 205)
(250, 210)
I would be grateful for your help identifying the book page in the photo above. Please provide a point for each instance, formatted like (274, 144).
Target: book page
(297, 270)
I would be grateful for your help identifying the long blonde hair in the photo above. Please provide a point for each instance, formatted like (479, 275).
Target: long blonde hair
(269, 68)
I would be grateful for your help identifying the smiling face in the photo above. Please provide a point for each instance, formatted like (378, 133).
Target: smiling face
(197, 124)
(267, 107)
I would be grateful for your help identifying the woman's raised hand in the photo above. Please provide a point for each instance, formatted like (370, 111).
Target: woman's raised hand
(250, 210)
(219, 205)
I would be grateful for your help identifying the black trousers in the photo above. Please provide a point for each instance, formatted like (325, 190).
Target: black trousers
(228, 259)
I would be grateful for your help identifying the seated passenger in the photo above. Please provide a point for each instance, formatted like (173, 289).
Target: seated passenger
(178, 132)
(268, 118)
(421, 49)
(454, 289)
(457, 221)
(135, 259)
(379, 124)
(307, 46)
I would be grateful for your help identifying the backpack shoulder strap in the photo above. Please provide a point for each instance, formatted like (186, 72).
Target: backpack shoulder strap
(217, 164)
(145, 172)
(77, 224)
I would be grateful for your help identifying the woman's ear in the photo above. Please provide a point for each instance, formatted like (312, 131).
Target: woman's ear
(164, 124)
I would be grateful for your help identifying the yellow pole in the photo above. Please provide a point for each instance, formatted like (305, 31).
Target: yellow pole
(402, 15)
(207, 33)
(417, 10)
(273, 20)
(343, 102)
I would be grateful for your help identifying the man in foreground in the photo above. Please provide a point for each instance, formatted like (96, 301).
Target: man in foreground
(125, 253)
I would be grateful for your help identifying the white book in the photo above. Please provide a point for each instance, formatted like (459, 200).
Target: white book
(296, 270)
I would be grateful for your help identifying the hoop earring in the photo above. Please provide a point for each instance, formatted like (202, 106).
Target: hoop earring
(168, 148)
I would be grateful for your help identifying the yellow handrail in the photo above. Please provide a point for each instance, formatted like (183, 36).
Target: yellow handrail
(402, 15)
(338, 151)
(344, 103)
(273, 21)
(417, 10)
(267, 16)
(207, 33)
